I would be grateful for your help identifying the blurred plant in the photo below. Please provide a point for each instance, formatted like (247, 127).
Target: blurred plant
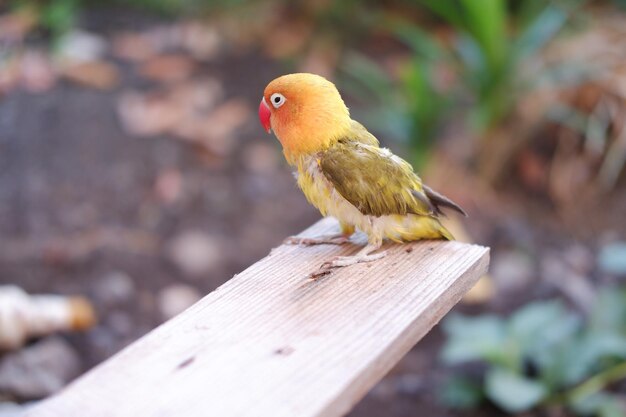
(490, 44)
(484, 55)
(620, 3)
(54, 16)
(410, 108)
(612, 258)
(593, 119)
(542, 356)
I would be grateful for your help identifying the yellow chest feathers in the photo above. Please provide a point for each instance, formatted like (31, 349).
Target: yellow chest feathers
(322, 194)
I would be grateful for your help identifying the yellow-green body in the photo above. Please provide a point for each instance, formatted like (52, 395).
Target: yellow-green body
(368, 188)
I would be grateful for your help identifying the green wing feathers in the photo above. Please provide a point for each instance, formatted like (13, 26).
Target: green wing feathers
(377, 182)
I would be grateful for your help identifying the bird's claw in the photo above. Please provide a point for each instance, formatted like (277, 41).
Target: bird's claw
(331, 263)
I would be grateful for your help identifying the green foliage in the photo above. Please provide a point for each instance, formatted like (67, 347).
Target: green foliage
(411, 110)
(511, 391)
(542, 355)
(491, 39)
(613, 258)
(491, 43)
(461, 393)
(54, 16)
(58, 16)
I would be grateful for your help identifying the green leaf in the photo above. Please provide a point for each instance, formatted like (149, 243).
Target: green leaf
(448, 10)
(422, 43)
(538, 327)
(586, 354)
(612, 258)
(486, 22)
(512, 392)
(460, 393)
(541, 31)
(600, 404)
(609, 311)
(531, 320)
(474, 339)
(369, 75)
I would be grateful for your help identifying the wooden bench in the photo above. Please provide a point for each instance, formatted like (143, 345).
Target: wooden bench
(270, 342)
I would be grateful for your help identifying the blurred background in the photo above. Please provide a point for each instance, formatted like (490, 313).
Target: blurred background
(134, 174)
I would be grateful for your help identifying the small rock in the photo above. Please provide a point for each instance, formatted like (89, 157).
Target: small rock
(39, 370)
(512, 270)
(384, 390)
(194, 252)
(168, 185)
(261, 159)
(114, 288)
(120, 323)
(102, 341)
(81, 46)
(409, 384)
(174, 299)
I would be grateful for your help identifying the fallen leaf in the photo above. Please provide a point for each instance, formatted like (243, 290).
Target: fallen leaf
(287, 38)
(532, 169)
(321, 59)
(132, 47)
(37, 74)
(214, 132)
(168, 185)
(148, 115)
(228, 116)
(16, 25)
(9, 74)
(261, 158)
(168, 68)
(198, 96)
(201, 40)
(96, 74)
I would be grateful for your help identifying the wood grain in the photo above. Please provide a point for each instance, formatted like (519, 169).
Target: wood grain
(269, 342)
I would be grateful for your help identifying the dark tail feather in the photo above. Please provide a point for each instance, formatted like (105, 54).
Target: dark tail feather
(439, 201)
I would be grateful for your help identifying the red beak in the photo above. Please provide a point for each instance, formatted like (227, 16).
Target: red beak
(264, 116)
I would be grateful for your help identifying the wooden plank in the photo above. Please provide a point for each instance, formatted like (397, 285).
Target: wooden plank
(270, 342)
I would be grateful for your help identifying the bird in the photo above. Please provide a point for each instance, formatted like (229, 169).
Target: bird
(345, 173)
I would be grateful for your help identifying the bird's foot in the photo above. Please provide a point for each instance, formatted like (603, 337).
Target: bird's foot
(322, 240)
(343, 261)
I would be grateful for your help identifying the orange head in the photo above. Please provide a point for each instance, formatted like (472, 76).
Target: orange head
(306, 113)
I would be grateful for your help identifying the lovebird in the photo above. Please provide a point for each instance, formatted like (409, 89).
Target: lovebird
(344, 173)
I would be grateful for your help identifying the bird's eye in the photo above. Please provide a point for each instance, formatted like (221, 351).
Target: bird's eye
(277, 100)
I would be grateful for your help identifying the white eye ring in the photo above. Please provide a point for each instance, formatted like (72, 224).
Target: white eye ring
(277, 100)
